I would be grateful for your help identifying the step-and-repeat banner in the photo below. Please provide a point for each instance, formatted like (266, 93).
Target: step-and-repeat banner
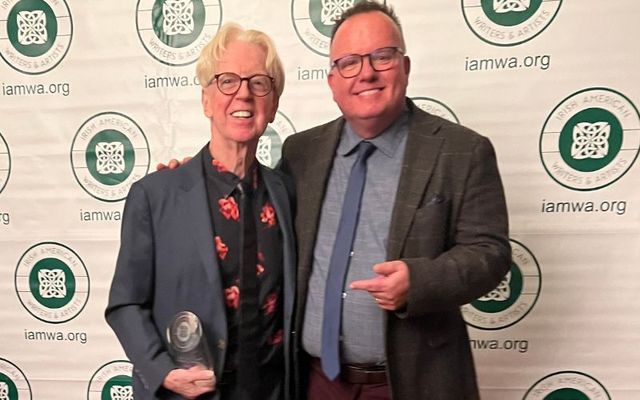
(94, 93)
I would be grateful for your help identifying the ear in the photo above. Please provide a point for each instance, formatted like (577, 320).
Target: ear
(205, 99)
(331, 80)
(406, 63)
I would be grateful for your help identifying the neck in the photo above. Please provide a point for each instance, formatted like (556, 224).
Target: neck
(236, 157)
(367, 129)
(372, 127)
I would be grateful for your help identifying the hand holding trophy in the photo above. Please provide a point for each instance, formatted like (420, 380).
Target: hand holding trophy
(187, 343)
(188, 347)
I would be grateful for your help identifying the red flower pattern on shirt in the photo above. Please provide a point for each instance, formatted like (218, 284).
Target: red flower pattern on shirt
(268, 215)
(221, 248)
(276, 338)
(270, 304)
(229, 208)
(232, 294)
(219, 167)
(260, 266)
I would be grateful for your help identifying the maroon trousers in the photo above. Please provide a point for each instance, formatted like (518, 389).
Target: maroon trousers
(321, 388)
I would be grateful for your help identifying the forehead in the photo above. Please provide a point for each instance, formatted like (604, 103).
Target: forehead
(242, 57)
(365, 32)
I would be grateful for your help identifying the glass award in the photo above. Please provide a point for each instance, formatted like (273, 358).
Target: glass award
(187, 343)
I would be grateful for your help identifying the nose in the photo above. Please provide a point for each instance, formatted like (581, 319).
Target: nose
(367, 72)
(243, 90)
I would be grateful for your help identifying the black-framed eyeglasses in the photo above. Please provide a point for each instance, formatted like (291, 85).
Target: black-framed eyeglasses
(229, 83)
(380, 60)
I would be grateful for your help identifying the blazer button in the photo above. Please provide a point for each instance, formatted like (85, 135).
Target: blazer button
(222, 344)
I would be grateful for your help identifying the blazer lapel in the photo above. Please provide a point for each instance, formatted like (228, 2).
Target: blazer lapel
(420, 157)
(280, 199)
(310, 196)
(193, 204)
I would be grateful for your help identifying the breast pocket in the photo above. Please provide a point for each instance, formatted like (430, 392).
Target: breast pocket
(430, 228)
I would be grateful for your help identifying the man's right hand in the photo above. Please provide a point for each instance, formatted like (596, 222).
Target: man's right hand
(190, 383)
(172, 164)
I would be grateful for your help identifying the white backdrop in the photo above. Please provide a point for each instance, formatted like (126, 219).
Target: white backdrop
(93, 95)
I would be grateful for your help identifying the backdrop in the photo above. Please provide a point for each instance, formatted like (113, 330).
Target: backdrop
(94, 93)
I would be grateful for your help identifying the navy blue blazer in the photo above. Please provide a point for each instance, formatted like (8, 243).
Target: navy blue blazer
(167, 264)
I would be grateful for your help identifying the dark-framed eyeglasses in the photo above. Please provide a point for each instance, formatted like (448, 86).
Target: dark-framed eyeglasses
(381, 59)
(229, 83)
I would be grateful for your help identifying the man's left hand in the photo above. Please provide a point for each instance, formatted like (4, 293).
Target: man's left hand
(390, 287)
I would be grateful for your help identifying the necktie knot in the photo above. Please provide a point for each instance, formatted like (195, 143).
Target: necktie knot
(244, 188)
(365, 149)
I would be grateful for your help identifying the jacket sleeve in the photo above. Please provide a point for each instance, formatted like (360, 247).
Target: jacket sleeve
(479, 254)
(129, 311)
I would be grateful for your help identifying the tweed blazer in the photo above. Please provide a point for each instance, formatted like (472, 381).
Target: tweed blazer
(449, 225)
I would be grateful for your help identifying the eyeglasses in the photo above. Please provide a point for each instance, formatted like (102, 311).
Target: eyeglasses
(380, 60)
(229, 83)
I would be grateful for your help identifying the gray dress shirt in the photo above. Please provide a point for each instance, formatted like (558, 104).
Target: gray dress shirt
(362, 320)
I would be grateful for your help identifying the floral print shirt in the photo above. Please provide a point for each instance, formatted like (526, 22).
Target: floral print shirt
(224, 204)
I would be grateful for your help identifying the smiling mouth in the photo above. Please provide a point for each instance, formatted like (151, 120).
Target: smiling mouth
(242, 114)
(369, 92)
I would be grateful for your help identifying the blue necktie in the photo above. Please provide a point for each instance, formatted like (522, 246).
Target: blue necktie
(340, 257)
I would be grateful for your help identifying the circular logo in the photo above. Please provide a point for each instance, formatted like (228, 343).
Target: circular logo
(13, 383)
(5, 163)
(175, 31)
(108, 154)
(314, 20)
(509, 22)
(111, 381)
(270, 143)
(38, 34)
(591, 139)
(567, 385)
(514, 297)
(52, 282)
(435, 107)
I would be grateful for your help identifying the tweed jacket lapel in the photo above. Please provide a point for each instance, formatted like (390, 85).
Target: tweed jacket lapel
(420, 157)
(315, 177)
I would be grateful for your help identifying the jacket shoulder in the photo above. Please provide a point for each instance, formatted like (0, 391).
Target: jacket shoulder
(453, 133)
(305, 137)
(168, 179)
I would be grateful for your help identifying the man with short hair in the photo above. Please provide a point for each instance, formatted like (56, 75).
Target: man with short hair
(401, 220)
(207, 252)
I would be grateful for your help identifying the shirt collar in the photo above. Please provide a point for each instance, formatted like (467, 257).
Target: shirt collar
(387, 142)
(226, 180)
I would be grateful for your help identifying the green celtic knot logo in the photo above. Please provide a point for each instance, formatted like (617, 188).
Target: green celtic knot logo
(314, 20)
(52, 282)
(591, 139)
(13, 383)
(509, 22)
(108, 154)
(112, 381)
(38, 35)
(175, 31)
(513, 298)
